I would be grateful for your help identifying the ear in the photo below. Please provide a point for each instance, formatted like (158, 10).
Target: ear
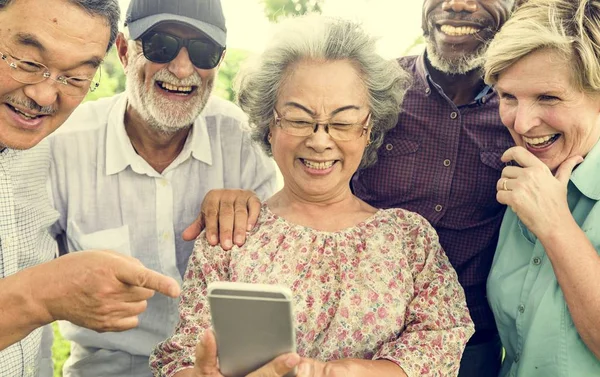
(122, 49)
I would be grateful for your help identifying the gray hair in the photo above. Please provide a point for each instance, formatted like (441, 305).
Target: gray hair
(569, 27)
(316, 37)
(107, 9)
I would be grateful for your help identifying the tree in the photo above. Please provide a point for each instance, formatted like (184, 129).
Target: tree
(275, 9)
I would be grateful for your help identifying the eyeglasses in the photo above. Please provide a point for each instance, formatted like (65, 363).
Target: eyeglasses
(30, 72)
(160, 47)
(337, 131)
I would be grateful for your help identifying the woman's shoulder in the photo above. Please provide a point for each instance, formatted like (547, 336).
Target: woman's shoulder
(403, 217)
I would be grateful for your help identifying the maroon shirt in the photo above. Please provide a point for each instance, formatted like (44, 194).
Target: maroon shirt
(443, 162)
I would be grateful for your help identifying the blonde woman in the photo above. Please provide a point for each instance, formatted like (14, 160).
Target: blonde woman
(543, 287)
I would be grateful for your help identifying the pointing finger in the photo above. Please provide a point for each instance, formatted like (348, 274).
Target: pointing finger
(143, 277)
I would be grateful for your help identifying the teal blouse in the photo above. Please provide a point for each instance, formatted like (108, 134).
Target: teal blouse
(534, 322)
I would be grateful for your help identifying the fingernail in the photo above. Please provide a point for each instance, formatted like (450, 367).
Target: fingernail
(238, 240)
(227, 244)
(213, 239)
(249, 227)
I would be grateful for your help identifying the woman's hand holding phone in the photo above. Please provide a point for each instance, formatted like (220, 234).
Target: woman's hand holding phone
(208, 366)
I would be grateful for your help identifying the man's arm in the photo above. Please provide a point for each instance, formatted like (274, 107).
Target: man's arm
(227, 214)
(99, 290)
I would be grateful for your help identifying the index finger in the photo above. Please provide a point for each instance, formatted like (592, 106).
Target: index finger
(141, 276)
(522, 156)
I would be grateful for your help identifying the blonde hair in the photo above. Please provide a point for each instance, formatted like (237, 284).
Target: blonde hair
(569, 27)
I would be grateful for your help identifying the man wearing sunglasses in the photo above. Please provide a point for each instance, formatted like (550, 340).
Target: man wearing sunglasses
(129, 173)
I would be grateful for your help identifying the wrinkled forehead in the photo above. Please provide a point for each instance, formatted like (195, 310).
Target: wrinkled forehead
(54, 31)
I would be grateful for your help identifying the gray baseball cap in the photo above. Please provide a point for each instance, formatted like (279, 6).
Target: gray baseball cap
(203, 15)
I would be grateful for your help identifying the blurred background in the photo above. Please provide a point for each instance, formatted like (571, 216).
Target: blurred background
(397, 24)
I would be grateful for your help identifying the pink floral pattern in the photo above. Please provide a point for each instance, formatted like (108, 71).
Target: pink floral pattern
(383, 289)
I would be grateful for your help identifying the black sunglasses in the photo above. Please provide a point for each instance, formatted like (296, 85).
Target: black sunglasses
(160, 47)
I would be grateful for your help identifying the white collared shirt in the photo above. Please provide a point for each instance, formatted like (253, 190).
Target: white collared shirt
(111, 198)
(25, 218)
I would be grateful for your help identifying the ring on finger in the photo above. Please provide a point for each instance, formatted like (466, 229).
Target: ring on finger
(504, 184)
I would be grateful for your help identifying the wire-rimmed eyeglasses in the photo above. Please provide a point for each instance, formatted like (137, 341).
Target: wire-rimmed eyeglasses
(31, 72)
(336, 130)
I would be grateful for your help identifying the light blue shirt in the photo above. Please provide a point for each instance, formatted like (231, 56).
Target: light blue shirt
(109, 197)
(534, 322)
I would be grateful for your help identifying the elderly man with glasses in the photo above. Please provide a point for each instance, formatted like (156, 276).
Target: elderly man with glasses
(129, 172)
(64, 41)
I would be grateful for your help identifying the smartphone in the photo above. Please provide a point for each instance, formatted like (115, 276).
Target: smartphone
(253, 324)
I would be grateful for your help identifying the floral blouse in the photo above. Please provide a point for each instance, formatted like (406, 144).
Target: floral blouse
(383, 289)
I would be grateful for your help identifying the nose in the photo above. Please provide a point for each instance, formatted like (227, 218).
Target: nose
(525, 119)
(320, 140)
(458, 6)
(44, 93)
(182, 66)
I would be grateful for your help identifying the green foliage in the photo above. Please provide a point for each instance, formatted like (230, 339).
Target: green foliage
(61, 349)
(276, 9)
(112, 80)
(227, 71)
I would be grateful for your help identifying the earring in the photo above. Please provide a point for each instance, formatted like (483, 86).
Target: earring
(368, 142)
(270, 137)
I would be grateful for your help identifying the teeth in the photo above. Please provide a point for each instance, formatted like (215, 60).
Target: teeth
(175, 88)
(538, 140)
(457, 31)
(25, 115)
(318, 165)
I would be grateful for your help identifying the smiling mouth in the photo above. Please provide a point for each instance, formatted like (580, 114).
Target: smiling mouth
(541, 142)
(25, 115)
(458, 31)
(177, 89)
(318, 165)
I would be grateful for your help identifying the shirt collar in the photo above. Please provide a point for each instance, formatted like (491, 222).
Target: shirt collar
(120, 153)
(424, 75)
(584, 176)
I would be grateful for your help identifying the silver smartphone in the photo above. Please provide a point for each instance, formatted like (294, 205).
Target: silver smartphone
(253, 324)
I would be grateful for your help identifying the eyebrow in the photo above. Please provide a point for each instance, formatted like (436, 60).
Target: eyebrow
(28, 39)
(312, 113)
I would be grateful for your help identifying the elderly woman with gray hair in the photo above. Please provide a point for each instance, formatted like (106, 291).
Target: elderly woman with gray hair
(544, 286)
(373, 291)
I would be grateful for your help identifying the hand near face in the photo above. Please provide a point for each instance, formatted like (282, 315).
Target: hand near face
(537, 196)
(208, 366)
(226, 215)
(99, 290)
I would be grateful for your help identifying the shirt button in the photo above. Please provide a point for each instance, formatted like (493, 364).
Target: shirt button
(521, 309)
(438, 208)
(164, 182)
(427, 91)
(446, 162)
(517, 357)
(389, 147)
(453, 115)
(537, 260)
